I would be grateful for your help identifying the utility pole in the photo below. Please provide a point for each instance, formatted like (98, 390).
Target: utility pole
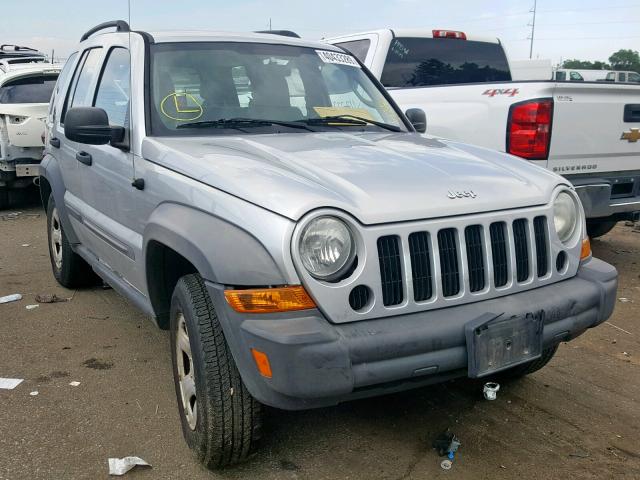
(533, 28)
(269, 24)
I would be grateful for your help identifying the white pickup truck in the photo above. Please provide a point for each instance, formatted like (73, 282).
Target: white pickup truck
(587, 131)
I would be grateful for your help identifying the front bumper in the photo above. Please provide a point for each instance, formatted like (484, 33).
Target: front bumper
(612, 196)
(316, 363)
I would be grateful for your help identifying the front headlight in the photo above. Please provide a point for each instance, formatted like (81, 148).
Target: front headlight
(565, 216)
(326, 248)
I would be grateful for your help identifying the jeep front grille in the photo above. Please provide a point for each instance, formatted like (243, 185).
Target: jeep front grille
(503, 241)
(415, 266)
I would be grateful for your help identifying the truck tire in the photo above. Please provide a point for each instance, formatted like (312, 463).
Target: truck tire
(528, 368)
(4, 198)
(220, 419)
(598, 229)
(69, 268)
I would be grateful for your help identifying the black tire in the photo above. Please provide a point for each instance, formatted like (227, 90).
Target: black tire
(70, 269)
(4, 198)
(528, 368)
(598, 229)
(228, 419)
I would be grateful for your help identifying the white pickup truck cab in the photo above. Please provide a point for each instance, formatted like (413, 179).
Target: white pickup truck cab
(586, 131)
(622, 77)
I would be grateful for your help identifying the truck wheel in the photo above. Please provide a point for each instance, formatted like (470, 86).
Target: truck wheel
(4, 198)
(220, 419)
(598, 229)
(527, 368)
(69, 268)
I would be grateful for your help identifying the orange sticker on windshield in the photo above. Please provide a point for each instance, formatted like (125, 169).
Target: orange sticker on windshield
(338, 111)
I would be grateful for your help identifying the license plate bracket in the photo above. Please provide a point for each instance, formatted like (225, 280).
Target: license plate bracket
(496, 343)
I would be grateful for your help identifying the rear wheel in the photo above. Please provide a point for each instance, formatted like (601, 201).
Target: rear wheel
(598, 229)
(220, 419)
(69, 268)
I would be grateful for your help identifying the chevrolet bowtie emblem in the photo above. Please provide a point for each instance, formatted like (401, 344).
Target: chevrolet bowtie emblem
(633, 135)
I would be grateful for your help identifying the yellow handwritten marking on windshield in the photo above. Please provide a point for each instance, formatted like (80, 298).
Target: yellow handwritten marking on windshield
(190, 113)
(337, 111)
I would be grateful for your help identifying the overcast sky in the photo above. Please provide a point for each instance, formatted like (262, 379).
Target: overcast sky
(585, 29)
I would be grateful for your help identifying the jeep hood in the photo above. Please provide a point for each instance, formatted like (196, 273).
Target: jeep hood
(376, 177)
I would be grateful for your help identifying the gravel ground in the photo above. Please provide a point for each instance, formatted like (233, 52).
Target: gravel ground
(577, 418)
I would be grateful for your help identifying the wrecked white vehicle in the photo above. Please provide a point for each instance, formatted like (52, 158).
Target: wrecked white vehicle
(25, 91)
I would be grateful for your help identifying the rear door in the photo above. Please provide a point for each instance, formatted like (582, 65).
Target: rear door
(65, 150)
(595, 129)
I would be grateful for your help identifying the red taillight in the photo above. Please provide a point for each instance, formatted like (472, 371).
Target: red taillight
(529, 129)
(449, 34)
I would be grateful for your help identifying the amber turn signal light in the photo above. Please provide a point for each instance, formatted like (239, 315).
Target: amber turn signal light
(269, 300)
(586, 249)
(262, 362)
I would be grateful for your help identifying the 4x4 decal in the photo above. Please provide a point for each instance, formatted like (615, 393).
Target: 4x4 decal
(509, 92)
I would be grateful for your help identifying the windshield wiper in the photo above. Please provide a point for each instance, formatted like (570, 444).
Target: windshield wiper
(242, 122)
(352, 120)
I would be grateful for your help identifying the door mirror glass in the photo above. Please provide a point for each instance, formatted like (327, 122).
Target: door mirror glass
(418, 119)
(88, 125)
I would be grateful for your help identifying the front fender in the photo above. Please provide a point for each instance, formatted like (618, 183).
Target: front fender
(221, 251)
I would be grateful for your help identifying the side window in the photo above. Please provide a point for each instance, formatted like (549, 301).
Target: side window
(113, 90)
(82, 96)
(358, 48)
(621, 77)
(62, 80)
(561, 76)
(634, 77)
(85, 71)
(611, 76)
(576, 77)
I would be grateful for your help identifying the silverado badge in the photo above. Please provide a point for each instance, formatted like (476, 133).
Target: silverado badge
(633, 135)
(461, 194)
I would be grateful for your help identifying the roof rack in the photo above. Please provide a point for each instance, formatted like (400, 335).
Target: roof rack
(120, 26)
(284, 33)
(16, 48)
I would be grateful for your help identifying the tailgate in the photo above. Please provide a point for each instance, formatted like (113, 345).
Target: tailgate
(595, 128)
(24, 123)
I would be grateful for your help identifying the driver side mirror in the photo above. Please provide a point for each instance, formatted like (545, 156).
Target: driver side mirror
(418, 119)
(90, 125)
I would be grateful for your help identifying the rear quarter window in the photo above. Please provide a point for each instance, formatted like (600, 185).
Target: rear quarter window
(418, 62)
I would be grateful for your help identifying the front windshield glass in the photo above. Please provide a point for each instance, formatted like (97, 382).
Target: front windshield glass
(221, 88)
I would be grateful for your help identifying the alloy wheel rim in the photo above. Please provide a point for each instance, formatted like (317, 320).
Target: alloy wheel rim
(56, 239)
(186, 377)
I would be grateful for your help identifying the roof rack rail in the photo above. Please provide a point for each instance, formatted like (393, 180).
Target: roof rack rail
(120, 26)
(284, 33)
(16, 48)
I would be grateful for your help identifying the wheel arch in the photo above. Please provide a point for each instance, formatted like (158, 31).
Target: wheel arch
(179, 240)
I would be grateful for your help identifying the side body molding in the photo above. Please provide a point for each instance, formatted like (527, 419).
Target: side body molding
(222, 252)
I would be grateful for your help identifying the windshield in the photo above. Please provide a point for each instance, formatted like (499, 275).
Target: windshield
(34, 89)
(417, 62)
(218, 88)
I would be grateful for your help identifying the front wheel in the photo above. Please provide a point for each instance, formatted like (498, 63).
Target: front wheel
(598, 229)
(220, 419)
(527, 368)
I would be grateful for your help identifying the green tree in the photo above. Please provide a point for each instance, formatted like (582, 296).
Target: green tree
(625, 59)
(576, 64)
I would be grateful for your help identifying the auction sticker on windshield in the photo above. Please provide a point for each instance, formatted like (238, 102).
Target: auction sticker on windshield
(338, 58)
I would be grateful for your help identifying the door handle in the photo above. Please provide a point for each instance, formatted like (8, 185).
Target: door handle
(84, 157)
(54, 142)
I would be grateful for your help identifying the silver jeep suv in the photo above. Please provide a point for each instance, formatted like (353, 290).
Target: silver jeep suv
(264, 199)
